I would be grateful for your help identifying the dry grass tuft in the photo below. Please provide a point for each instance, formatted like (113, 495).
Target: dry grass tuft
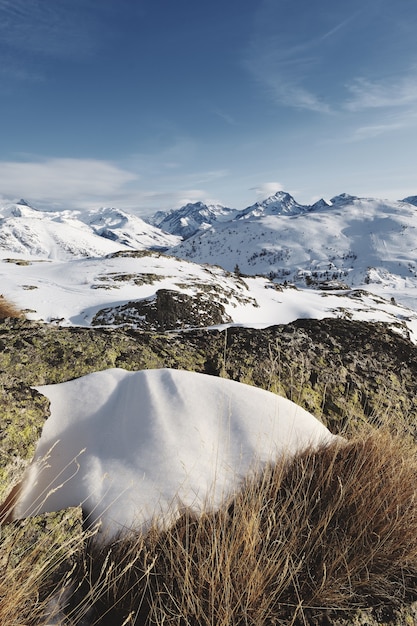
(36, 569)
(334, 529)
(8, 309)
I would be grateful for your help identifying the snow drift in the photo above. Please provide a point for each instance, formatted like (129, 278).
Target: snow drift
(131, 447)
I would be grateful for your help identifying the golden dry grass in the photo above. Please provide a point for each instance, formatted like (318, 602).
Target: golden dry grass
(334, 529)
(331, 529)
(8, 309)
(36, 567)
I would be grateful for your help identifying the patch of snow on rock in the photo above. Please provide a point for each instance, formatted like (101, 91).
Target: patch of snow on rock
(131, 446)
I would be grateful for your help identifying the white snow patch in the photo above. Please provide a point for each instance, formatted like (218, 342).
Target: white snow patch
(129, 446)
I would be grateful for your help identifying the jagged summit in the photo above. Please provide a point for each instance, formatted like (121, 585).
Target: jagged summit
(23, 202)
(320, 204)
(349, 242)
(343, 198)
(410, 200)
(189, 219)
(280, 203)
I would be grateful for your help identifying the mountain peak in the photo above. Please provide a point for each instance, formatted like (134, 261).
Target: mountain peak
(320, 204)
(343, 198)
(23, 202)
(280, 203)
(410, 200)
(191, 218)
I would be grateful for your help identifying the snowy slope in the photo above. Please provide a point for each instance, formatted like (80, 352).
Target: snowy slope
(129, 446)
(128, 229)
(363, 252)
(71, 292)
(354, 241)
(65, 234)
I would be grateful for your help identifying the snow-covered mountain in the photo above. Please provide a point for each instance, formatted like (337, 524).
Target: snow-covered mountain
(350, 257)
(191, 218)
(411, 200)
(350, 241)
(57, 235)
(25, 230)
(281, 203)
(129, 230)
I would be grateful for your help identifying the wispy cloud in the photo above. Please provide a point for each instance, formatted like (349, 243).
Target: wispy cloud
(384, 123)
(281, 73)
(370, 94)
(340, 26)
(226, 117)
(286, 69)
(391, 102)
(47, 28)
(65, 182)
(61, 183)
(373, 130)
(264, 190)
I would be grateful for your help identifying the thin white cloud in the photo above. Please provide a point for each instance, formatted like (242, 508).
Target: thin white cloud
(391, 102)
(47, 28)
(64, 182)
(368, 94)
(373, 130)
(295, 96)
(281, 74)
(340, 26)
(226, 117)
(285, 69)
(264, 190)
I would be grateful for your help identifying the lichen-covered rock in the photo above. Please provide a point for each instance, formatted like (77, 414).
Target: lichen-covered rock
(380, 616)
(342, 371)
(167, 310)
(22, 414)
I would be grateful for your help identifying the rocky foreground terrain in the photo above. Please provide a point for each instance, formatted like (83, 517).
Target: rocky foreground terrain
(345, 372)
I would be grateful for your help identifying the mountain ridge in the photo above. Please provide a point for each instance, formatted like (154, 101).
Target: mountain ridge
(348, 257)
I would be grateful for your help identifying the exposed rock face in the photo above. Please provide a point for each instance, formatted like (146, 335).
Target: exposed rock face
(169, 310)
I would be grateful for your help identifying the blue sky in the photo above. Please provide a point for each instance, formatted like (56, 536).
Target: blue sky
(149, 104)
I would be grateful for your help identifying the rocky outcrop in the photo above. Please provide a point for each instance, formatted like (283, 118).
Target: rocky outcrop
(168, 310)
(344, 372)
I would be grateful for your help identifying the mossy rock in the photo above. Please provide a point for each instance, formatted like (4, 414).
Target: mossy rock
(381, 616)
(344, 372)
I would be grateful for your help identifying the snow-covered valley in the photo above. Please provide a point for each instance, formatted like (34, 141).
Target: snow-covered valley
(269, 264)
